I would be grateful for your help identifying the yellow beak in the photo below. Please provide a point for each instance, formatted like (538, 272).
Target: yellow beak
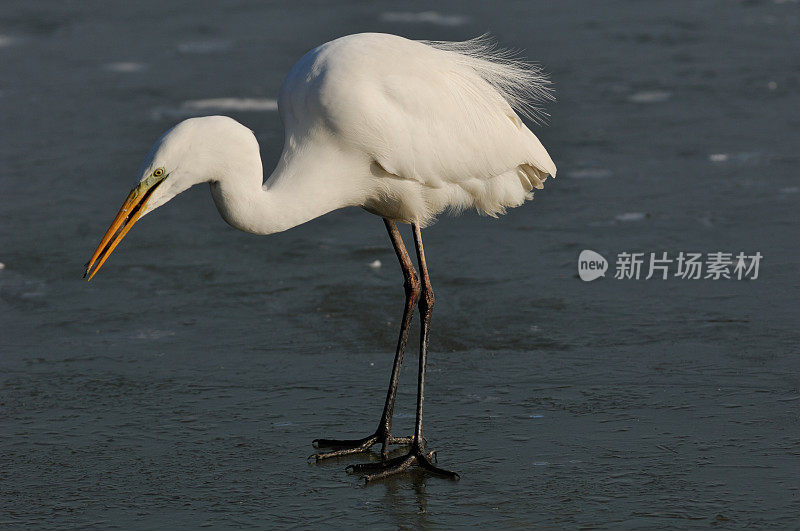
(127, 216)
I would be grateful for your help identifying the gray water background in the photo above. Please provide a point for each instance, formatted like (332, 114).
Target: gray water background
(183, 386)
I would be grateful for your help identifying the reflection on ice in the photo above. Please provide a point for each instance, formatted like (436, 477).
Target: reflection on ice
(589, 173)
(125, 67)
(650, 96)
(205, 106)
(744, 157)
(205, 46)
(232, 104)
(426, 17)
(631, 216)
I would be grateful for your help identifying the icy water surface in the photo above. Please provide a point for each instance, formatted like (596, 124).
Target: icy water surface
(183, 386)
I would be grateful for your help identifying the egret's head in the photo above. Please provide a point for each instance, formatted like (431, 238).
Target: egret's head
(194, 151)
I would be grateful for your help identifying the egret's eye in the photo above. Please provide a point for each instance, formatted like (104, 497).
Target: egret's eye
(159, 172)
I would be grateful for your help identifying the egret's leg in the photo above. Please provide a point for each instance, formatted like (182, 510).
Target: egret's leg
(425, 313)
(412, 289)
(383, 434)
(417, 453)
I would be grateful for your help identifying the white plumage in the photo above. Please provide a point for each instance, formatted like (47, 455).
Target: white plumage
(404, 129)
(430, 125)
(401, 128)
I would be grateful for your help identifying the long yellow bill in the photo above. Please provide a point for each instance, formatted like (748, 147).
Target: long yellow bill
(127, 216)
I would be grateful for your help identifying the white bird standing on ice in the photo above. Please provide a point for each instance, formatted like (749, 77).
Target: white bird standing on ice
(404, 129)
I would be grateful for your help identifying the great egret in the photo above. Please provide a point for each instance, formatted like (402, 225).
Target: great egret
(404, 129)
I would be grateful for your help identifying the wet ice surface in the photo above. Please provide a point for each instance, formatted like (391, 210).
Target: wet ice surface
(183, 386)
(125, 67)
(424, 17)
(649, 96)
(214, 106)
(201, 47)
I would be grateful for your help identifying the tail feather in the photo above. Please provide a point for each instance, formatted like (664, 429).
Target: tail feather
(535, 176)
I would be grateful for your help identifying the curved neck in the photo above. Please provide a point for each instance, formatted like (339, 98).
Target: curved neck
(298, 190)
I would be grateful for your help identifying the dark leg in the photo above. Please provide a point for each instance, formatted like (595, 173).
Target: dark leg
(383, 434)
(417, 453)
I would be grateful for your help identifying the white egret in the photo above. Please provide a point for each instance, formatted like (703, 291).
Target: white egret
(404, 129)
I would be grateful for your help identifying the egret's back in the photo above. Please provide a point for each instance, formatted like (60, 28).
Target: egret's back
(435, 125)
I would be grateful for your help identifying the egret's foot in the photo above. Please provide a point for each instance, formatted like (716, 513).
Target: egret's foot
(356, 446)
(416, 456)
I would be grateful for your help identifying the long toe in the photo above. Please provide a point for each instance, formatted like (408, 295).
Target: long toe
(415, 455)
(360, 468)
(342, 443)
(401, 464)
(339, 453)
(426, 463)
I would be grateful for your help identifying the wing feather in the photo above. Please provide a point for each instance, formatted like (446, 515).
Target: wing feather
(452, 115)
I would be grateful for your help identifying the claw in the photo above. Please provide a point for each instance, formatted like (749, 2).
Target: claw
(417, 454)
(400, 464)
(347, 447)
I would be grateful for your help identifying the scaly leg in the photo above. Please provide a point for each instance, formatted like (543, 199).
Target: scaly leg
(417, 453)
(383, 434)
